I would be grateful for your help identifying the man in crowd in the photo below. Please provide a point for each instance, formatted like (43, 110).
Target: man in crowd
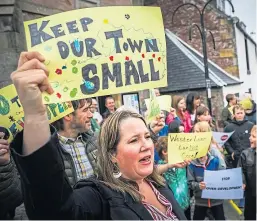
(96, 115)
(226, 116)
(110, 106)
(157, 92)
(239, 140)
(10, 186)
(77, 142)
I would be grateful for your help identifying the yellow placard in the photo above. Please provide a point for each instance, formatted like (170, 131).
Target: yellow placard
(164, 102)
(99, 51)
(231, 110)
(154, 108)
(12, 115)
(186, 146)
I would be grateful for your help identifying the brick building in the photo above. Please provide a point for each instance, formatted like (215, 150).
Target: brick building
(236, 51)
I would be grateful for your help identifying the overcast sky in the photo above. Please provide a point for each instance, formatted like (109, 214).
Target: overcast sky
(246, 11)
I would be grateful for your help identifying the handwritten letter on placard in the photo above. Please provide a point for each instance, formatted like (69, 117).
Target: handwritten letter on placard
(99, 51)
(185, 146)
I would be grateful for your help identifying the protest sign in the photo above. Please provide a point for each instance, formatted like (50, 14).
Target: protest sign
(154, 107)
(223, 184)
(164, 102)
(100, 51)
(185, 146)
(221, 138)
(12, 115)
(231, 110)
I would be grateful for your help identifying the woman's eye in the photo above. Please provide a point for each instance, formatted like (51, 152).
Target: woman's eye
(133, 141)
(148, 137)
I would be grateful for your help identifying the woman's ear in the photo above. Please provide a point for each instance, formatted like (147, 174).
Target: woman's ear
(164, 152)
(113, 158)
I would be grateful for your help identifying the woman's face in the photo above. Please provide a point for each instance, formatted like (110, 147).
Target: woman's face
(135, 150)
(253, 139)
(197, 102)
(204, 117)
(182, 105)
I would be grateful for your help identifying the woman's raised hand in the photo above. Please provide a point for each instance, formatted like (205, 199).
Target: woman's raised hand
(30, 80)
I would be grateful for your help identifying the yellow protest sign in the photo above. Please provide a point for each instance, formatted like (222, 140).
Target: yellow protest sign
(12, 115)
(164, 102)
(231, 110)
(99, 51)
(185, 146)
(154, 109)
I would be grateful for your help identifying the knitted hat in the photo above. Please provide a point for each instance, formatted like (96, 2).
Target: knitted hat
(246, 104)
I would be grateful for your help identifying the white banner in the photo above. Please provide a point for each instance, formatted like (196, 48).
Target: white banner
(223, 184)
(221, 138)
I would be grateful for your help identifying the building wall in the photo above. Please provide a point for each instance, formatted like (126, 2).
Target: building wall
(232, 89)
(225, 54)
(248, 78)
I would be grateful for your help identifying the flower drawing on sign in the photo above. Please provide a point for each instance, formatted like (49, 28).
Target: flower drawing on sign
(48, 48)
(88, 85)
(77, 45)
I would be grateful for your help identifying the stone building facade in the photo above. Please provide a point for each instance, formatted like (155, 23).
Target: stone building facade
(221, 25)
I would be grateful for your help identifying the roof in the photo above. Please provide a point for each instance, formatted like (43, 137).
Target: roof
(186, 68)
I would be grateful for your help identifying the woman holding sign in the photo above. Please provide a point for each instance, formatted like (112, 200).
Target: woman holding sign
(128, 186)
(179, 113)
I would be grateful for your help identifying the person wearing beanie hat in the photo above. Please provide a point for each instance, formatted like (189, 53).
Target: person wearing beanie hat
(250, 109)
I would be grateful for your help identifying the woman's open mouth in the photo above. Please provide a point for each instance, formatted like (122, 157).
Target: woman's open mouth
(146, 160)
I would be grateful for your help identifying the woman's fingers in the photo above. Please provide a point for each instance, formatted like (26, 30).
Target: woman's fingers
(26, 56)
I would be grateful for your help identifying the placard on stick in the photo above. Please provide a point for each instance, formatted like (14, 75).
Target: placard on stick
(100, 51)
(187, 146)
(12, 115)
(164, 102)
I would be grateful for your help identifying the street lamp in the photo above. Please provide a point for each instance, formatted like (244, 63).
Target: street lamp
(203, 33)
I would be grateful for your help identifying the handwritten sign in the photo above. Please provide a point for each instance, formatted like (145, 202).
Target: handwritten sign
(154, 108)
(185, 146)
(164, 102)
(223, 184)
(12, 115)
(231, 110)
(221, 138)
(99, 51)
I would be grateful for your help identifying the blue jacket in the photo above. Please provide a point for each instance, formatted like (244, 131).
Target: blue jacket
(195, 175)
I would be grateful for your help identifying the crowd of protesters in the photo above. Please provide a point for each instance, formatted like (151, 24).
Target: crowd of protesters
(115, 166)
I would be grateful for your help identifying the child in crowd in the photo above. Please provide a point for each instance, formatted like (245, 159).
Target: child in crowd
(176, 127)
(215, 150)
(247, 161)
(203, 114)
(179, 113)
(175, 175)
(195, 175)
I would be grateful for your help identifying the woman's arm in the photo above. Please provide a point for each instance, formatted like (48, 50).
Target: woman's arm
(48, 194)
(47, 191)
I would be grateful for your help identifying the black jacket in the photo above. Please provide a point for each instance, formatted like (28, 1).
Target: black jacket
(50, 196)
(239, 140)
(252, 115)
(10, 190)
(91, 150)
(248, 163)
(226, 116)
